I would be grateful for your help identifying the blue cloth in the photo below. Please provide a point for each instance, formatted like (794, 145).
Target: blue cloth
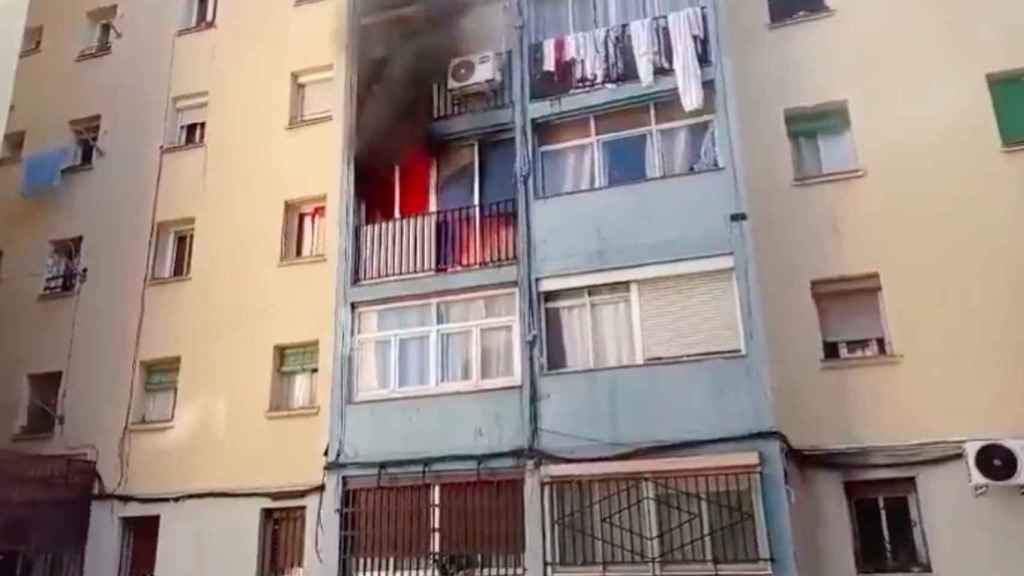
(42, 170)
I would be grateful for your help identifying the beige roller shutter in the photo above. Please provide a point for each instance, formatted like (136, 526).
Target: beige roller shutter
(689, 315)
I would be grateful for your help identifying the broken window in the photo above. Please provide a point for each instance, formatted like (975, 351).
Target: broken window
(282, 537)
(41, 408)
(887, 530)
(850, 317)
(63, 266)
(139, 536)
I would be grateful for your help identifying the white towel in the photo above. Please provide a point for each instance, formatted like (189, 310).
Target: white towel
(600, 69)
(549, 55)
(683, 28)
(641, 33)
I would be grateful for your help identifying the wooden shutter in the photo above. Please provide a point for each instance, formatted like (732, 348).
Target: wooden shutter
(849, 309)
(1008, 100)
(689, 315)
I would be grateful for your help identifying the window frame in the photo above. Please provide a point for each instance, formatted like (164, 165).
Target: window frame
(290, 245)
(128, 526)
(879, 489)
(140, 416)
(434, 331)
(654, 145)
(299, 80)
(76, 244)
(197, 20)
(872, 282)
(799, 172)
(33, 383)
(36, 33)
(100, 31)
(165, 250)
(798, 16)
(991, 81)
(633, 278)
(264, 546)
(12, 147)
(277, 383)
(86, 132)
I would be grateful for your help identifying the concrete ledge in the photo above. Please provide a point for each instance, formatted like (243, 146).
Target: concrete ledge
(844, 363)
(296, 413)
(834, 177)
(318, 259)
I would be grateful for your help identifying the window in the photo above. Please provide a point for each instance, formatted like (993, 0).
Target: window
(159, 392)
(627, 145)
(1007, 90)
(282, 542)
(139, 536)
(305, 228)
(63, 266)
(850, 317)
(821, 141)
(31, 40)
(692, 519)
(552, 18)
(86, 133)
(173, 254)
(437, 345)
(41, 408)
(295, 385)
(198, 14)
(312, 95)
(651, 318)
(782, 10)
(99, 30)
(189, 120)
(12, 146)
(459, 527)
(888, 533)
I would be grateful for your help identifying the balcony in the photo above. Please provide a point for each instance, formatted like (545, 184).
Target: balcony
(449, 103)
(435, 242)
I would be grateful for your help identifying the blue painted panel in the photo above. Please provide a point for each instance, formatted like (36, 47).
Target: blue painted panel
(478, 423)
(602, 412)
(653, 221)
(432, 284)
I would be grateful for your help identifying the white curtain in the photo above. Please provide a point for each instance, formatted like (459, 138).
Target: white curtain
(496, 353)
(297, 389)
(837, 152)
(612, 329)
(373, 366)
(568, 169)
(457, 356)
(413, 361)
(159, 405)
(567, 337)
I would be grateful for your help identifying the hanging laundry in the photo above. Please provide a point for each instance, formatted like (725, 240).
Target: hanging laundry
(684, 28)
(662, 45)
(548, 48)
(42, 171)
(641, 33)
(708, 151)
(559, 57)
(600, 55)
(591, 56)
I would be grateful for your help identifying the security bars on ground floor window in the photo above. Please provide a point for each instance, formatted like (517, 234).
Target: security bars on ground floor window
(434, 529)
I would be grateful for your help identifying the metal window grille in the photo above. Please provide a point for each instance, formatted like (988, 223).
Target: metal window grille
(434, 529)
(282, 538)
(661, 521)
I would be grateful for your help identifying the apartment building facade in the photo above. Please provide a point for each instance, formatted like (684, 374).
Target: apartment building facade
(879, 150)
(169, 192)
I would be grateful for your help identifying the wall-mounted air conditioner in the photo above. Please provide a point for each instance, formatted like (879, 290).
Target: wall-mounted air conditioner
(475, 72)
(995, 462)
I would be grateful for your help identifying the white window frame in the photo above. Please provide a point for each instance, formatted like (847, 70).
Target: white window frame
(633, 277)
(293, 210)
(183, 105)
(140, 417)
(300, 80)
(595, 140)
(163, 261)
(198, 20)
(434, 331)
(849, 285)
(279, 375)
(880, 489)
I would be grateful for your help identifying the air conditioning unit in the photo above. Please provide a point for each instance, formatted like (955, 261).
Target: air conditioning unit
(475, 72)
(858, 348)
(995, 462)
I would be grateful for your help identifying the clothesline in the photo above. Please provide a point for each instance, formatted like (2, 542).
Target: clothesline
(599, 56)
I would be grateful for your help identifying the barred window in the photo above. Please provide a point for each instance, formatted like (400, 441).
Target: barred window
(282, 538)
(437, 529)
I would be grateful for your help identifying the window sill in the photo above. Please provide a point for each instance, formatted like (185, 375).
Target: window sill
(57, 295)
(541, 196)
(27, 53)
(319, 258)
(652, 363)
(843, 363)
(162, 281)
(1010, 149)
(197, 28)
(435, 391)
(151, 426)
(31, 437)
(801, 19)
(93, 55)
(833, 177)
(302, 123)
(77, 169)
(305, 2)
(296, 413)
(181, 147)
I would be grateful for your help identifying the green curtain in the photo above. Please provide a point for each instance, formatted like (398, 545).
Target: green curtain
(1008, 99)
(299, 359)
(818, 122)
(161, 375)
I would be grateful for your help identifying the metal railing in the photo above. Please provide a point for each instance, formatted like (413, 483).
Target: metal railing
(445, 529)
(448, 104)
(684, 521)
(471, 237)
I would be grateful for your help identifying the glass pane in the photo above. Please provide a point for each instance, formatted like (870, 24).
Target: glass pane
(373, 366)
(562, 132)
(567, 337)
(671, 110)
(159, 405)
(372, 321)
(568, 169)
(806, 157)
(623, 120)
(688, 149)
(503, 306)
(455, 311)
(497, 352)
(413, 362)
(550, 19)
(457, 356)
(565, 296)
(626, 159)
(901, 532)
(456, 177)
(837, 152)
(497, 171)
(613, 333)
(870, 537)
(609, 290)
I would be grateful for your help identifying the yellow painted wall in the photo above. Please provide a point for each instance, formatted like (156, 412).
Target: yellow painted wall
(936, 214)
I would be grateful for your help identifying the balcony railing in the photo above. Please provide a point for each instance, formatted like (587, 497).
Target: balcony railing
(471, 237)
(448, 104)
